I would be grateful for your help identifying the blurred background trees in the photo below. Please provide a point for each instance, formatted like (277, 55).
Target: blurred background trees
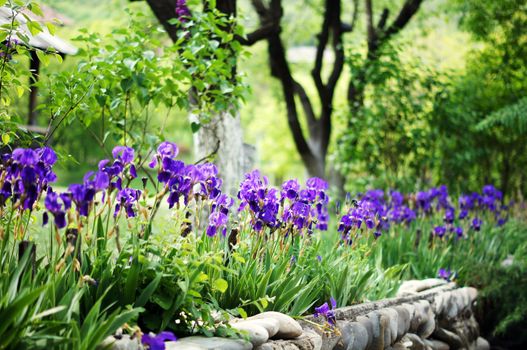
(368, 93)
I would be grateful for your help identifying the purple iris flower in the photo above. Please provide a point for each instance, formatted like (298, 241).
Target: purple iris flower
(458, 231)
(476, 224)
(217, 220)
(25, 175)
(98, 180)
(157, 342)
(83, 196)
(397, 198)
(25, 156)
(439, 231)
(182, 180)
(123, 153)
(182, 10)
(325, 311)
(261, 199)
(463, 214)
(47, 155)
(445, 274)
(57, 205)
(423, 201)
(166, 149)
(290, 189)
(501, 221)
(449, 215)
(127, 198)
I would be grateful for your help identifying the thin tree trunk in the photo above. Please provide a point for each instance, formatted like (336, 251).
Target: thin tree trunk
(221, 141)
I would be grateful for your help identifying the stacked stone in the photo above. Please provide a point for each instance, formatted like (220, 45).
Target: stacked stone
(426, 315)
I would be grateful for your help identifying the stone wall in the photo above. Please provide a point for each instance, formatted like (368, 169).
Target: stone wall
(428, 314)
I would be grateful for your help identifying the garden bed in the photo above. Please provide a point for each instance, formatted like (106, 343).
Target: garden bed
(428, 314)
(79, 264)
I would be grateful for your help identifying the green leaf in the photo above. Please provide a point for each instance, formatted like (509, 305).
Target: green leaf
(242, 312)
(132, 281)
(34, 27)
(126, 84)
(51, 28)
(42, 57)
(58, 57)
(220, 285)
(148, 291)
(6, 138)
(48, 312)
(19, 90)
(195, 127)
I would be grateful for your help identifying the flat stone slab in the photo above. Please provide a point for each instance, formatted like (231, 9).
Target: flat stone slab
(288, 327)
(124, 342)
(416, 286)
(309, 340)
(206, 343)
(271, 325)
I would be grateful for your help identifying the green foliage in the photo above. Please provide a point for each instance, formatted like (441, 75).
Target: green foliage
(42, 308)
(477, 261)
(479, 114)
(513, 118)
(14, 73)
(122, 87)
(419, 125)
(208, 55)
(391, 143)
(123, 78)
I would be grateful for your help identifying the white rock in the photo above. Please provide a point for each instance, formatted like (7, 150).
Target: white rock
(394, 321)
(410, 308)
(288, 329)
(420, 316)
(416, 286)
(453, 306)
(123, 343)
(272, 325)
(213, 343)
(257, 334)
(508, 261)
(403, 320)
(472, 293)
(439, 304)
(482, 344)
(176, 345)
(436, 344)
(416, 343)
(427, 328)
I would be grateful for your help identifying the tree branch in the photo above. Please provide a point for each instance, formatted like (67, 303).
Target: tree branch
(280, 70)
(372, 37)
(259, 34)
(338, 50)
(323, 38)
(384, 17)
(355, 13)
(260, 9)
(306, 104)
(408, 10)
(164, 11)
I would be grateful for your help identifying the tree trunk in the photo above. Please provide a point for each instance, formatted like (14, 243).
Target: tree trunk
(222, 140)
